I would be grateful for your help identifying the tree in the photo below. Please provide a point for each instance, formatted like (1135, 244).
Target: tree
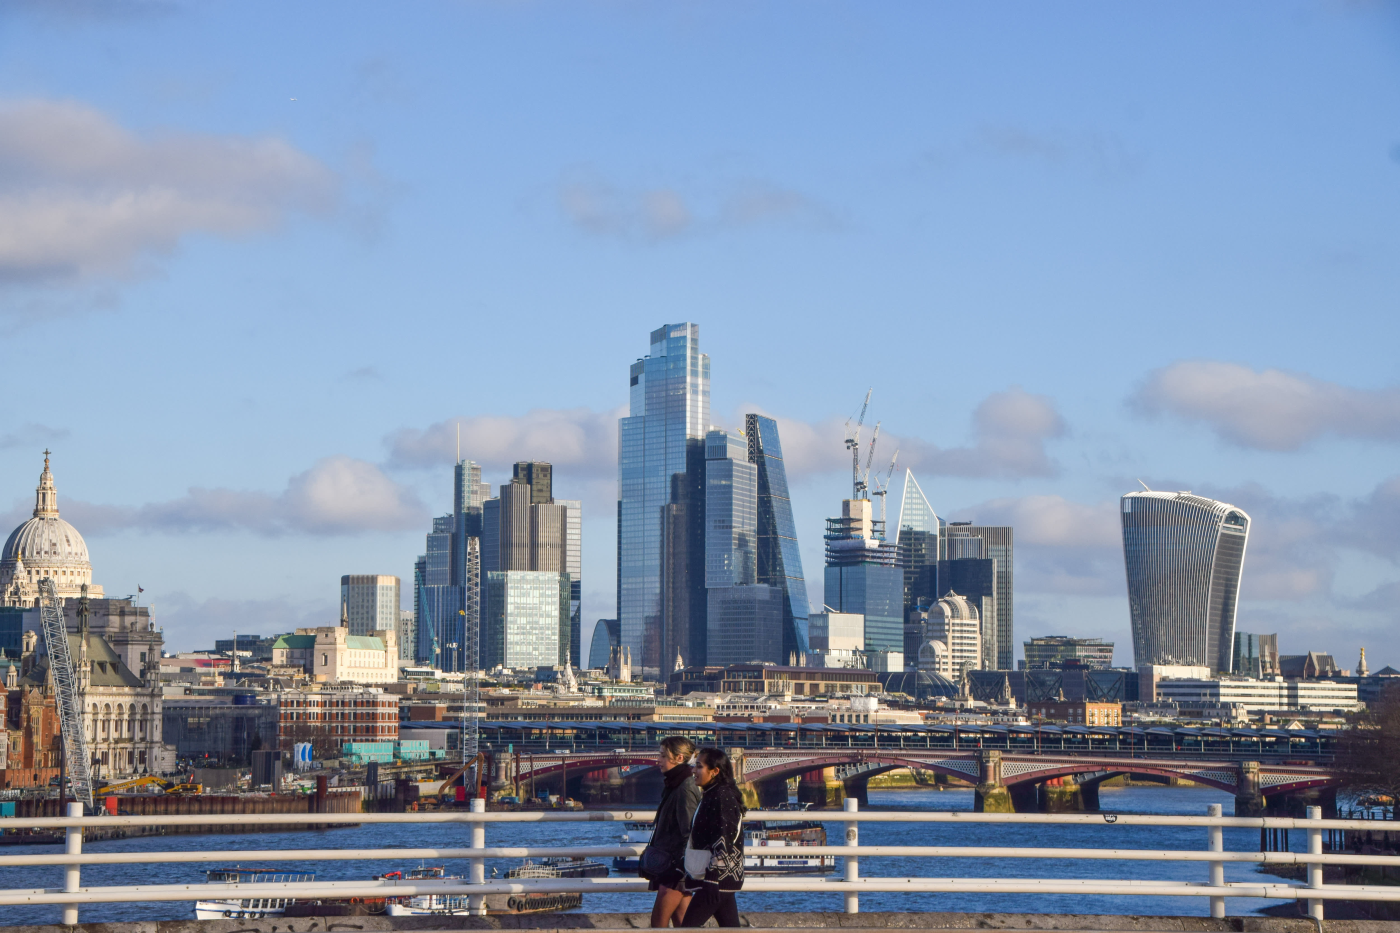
(1368, 754)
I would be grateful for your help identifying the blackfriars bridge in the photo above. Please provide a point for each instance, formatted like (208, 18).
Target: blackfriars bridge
(1267, 771)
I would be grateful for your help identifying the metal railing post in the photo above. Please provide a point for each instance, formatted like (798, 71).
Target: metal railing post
(72, 874)
(1215, 836)
(1315, 868)
(852, 861)
(477, 904)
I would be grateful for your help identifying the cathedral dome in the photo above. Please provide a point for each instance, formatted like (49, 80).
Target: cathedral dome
(48, 541)
(44, 546)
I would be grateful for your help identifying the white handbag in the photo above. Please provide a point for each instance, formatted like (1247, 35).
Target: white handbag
(697, 862)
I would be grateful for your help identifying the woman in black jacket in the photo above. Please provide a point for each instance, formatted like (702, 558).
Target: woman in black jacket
(671, 831)
(715, 860)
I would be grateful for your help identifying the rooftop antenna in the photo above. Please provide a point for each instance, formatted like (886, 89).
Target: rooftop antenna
(1143, 485)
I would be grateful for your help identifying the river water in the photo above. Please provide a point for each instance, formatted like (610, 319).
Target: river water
(1136, 799)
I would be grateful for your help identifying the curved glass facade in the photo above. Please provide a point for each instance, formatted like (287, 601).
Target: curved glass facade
(1184, 555)
(779, 563)
(669, 411)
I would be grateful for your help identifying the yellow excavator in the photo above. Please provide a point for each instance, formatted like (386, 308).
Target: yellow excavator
(125, 787)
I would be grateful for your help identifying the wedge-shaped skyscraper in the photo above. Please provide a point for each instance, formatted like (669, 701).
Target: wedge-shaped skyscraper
(1184, 556)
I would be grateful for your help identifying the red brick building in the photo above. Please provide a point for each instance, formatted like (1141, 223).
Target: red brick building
(328, 717)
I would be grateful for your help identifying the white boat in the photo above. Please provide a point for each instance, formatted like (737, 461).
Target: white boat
(247, 908)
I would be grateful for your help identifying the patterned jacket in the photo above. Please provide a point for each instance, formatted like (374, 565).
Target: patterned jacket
(719, 827)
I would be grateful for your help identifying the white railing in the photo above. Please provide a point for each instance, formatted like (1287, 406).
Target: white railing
(850, 883)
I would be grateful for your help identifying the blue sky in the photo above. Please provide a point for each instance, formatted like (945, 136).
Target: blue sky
(258, 261)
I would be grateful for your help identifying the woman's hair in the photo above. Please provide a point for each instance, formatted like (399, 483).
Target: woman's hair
(678, 746)
(717, 760)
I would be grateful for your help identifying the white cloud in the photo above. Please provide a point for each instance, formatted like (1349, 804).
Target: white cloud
(1062, 546)
(31, 435)
(1268, 410)
(337, 496)
(579, 441)
(664, 212)
(81, 195)
(1009, 431)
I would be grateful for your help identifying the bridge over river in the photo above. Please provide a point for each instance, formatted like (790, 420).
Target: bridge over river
(1015, 769)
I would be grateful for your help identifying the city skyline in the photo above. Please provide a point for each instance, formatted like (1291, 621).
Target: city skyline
(1134, 247)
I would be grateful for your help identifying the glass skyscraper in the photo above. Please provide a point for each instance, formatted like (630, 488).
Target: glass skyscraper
(669, 412)
(918, 537)
(527, 619)
(966, 541)
(779, 563)
(862, 576)
(1184, 555)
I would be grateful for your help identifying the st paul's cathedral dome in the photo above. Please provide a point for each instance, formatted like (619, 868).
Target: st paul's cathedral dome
(44, 546)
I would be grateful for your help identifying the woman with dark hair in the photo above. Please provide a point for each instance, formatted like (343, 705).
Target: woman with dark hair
(714, 863)
(663, 861)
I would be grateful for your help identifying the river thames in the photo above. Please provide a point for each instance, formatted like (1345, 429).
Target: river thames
(1134, 799)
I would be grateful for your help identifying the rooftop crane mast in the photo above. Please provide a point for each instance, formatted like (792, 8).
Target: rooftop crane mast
(853, 445)
(882, 487)
(67, 692)
(863, 485)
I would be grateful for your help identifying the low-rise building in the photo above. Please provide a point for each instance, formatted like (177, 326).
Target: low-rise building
(1253, 695)
(220, 731)
(329, 716)
(1081, 713)
(1057, 651)
(770, 679)
(330, 654)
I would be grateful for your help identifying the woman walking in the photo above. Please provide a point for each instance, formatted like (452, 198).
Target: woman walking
(663, 861)
(714, 863)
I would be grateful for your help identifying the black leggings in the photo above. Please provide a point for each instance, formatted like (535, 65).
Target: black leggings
(709, 902)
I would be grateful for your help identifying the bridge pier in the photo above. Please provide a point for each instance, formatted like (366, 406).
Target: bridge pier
(771, 793)
(1249, 796)
(821, 788)
(1025, 797)
(857, 789)
(991, 795)
(603, 786)
(1061, 795)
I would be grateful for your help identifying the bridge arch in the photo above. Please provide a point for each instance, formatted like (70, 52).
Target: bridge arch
(877, 762)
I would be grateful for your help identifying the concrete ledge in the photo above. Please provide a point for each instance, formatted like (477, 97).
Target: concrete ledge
(787, 922)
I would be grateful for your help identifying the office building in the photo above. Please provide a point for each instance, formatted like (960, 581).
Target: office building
(919, 539)
(573, 566)
(369, 602)
(526, 536)
(1077, 712)
(955, 621)
(1184, 555)
(669, 412)
(836, 639)
(329, 716)
(684, 613)
(997, 544)
(527, 619)
(861, 575)
(408, 635)
(744, 624)
(779, 561)
(744, 618)
(1256, 655)
(331, 654)
(1056, 652)
(12, 625)
(605, 638)
(1263, 695)
(975, 578)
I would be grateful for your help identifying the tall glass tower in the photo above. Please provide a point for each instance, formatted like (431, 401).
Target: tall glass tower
(779, 562)
(669, 412)
(1184, 556)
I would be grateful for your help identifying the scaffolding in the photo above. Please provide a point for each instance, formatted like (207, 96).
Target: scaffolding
(67, 690)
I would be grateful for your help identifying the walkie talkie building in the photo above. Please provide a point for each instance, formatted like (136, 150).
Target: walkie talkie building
(1184, 556)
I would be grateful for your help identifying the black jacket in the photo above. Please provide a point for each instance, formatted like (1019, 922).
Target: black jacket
(671, 831)
(718, 826)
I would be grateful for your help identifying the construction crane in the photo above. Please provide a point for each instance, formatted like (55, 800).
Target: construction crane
(67, 693)
(882, 487)
(863, 486)
(853, 445)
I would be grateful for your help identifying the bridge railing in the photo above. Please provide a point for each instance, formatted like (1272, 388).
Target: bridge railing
(850, 883)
